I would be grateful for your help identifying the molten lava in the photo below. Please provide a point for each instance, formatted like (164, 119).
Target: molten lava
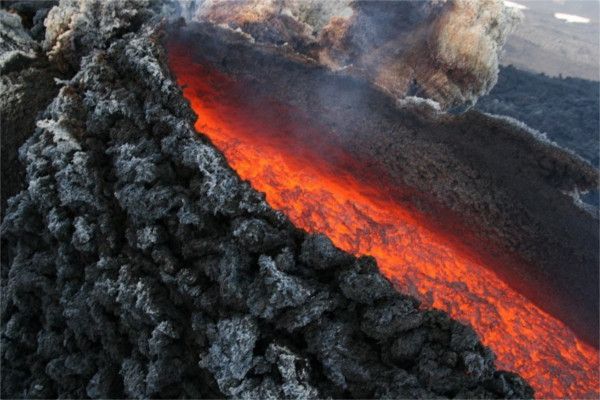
(289, 158)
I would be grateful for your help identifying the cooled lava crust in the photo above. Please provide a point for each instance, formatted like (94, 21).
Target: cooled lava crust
(136, 263)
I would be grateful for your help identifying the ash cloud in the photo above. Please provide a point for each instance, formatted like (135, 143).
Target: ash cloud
(443, 50)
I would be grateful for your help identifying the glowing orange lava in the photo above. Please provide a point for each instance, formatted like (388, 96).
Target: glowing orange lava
(320, 191)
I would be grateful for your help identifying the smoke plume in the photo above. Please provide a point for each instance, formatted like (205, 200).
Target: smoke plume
(443, 50)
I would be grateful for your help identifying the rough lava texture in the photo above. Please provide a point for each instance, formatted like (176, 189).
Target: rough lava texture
(32, 13)
(27, 87)
(137, 264)
(77, 27)
(445, 50)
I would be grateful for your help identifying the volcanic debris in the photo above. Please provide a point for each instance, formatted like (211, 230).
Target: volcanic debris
(136, 263)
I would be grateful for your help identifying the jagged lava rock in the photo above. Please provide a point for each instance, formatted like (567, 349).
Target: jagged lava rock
(136, 263)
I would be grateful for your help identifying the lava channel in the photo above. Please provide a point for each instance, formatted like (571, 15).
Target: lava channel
(321, 191)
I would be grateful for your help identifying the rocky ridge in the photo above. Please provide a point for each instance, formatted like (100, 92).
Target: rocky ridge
(27, 84)
(136, 263)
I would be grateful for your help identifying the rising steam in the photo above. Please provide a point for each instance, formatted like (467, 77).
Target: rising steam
(444, 50)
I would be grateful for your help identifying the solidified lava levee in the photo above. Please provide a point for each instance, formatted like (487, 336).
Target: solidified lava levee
(362, 217)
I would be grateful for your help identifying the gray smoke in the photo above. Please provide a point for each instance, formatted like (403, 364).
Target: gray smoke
(443, 50)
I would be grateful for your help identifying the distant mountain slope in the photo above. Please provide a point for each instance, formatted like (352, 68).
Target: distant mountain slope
(543, 43)
(566, 109)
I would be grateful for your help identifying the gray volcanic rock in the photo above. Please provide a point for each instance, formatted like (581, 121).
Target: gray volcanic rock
(136, 263)
(32, 13)
(27, 86)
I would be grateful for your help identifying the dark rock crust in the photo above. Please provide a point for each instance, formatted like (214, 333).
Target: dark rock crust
(137, 264)
(27, 87)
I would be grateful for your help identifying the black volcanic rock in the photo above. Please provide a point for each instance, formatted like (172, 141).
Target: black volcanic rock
(27, 86)
(136, 263)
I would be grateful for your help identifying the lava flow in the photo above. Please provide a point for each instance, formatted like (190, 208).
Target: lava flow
(321, 189)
